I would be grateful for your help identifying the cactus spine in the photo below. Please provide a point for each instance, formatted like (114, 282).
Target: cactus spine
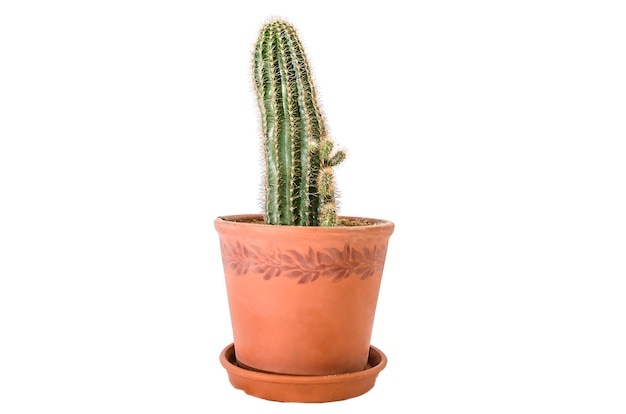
(299, 181)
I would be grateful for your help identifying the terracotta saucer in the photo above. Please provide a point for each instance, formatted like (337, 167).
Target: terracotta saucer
(303, 388)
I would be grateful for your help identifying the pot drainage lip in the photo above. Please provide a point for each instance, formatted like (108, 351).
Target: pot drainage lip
(303, 388)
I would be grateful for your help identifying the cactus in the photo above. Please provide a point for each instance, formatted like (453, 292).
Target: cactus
(299, 157)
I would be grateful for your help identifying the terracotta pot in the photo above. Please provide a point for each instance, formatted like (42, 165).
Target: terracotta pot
(302, 299)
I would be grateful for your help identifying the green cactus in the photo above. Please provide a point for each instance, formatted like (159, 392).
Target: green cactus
(299, 181)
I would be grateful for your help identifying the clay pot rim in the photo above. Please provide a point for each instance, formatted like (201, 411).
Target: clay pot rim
(254, 221)
(227, 357)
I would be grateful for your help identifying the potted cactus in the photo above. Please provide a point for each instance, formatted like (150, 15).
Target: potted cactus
(302, 282)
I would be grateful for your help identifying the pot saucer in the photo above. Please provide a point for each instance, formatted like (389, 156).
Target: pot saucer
(303, 388)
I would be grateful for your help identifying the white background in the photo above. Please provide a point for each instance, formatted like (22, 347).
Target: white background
(491, 133)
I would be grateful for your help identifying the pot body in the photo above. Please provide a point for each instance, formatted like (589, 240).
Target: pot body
(302, 299)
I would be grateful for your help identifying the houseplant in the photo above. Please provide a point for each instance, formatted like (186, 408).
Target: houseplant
(302, 282)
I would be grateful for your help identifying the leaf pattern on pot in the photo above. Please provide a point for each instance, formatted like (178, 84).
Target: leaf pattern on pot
(337, 264)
